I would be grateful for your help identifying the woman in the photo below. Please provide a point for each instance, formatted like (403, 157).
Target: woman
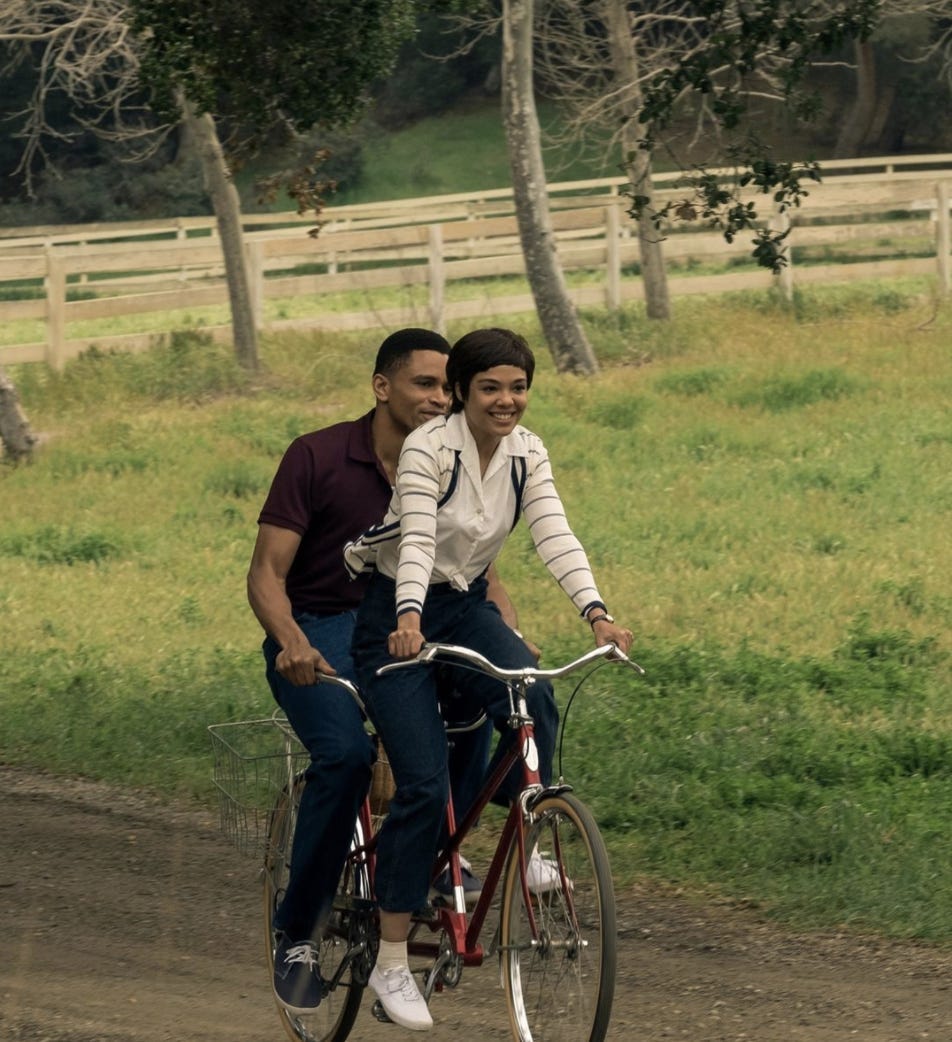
(462, 483)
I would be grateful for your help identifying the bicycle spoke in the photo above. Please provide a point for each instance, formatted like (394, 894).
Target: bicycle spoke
(560, 980)
(334, 1017)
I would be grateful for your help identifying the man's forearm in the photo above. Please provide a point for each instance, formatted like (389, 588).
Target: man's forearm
(272, 609)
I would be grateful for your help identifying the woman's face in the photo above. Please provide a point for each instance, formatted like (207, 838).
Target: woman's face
(496, 401)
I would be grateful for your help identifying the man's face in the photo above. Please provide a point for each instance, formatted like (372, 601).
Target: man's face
(416, 391)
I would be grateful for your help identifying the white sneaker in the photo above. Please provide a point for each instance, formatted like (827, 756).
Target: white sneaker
(542, 874)
(401, 998)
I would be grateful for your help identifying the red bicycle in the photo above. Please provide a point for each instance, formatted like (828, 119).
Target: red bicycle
(555, 937)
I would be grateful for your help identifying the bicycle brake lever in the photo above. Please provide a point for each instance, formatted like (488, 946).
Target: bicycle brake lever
(622, 657)
(426, 654)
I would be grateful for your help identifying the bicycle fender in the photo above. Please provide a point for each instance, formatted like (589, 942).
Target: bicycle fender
(550, 790)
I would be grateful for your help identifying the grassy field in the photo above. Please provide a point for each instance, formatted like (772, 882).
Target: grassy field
(765, 492)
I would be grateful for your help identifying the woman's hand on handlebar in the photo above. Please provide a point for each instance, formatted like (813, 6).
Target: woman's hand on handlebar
(406, 640)
(611, 633)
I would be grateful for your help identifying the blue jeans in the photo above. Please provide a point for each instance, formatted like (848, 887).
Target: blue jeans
(331, 728)
(403, 706)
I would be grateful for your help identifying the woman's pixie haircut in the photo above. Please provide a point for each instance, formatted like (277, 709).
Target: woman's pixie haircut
(481, 349)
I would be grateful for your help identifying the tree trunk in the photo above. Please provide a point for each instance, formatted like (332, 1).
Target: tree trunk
(560, 324)
(654, 274)
(224, 196)
(15, 434)
(856, 126)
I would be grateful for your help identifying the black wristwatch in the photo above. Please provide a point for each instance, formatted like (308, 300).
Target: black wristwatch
(604, 617)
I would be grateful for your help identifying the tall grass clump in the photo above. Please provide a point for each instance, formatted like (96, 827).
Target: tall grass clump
(189, 368)
(765, 498)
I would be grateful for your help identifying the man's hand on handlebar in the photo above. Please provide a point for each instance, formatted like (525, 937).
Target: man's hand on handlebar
(300, 663)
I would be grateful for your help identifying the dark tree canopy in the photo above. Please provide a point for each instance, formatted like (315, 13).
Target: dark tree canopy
(308, 63)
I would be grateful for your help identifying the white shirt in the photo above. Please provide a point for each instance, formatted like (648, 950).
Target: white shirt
(447, 522)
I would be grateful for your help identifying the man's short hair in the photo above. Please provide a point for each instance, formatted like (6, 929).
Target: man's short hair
(480, 350)
(395, 350)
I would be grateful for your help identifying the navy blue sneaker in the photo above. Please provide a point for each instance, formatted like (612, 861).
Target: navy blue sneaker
(442, 887)
(297, 980)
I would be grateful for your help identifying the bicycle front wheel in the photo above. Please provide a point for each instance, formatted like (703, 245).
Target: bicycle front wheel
(334, 1017)
(559, 950)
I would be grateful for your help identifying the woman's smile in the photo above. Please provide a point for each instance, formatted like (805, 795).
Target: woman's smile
(496, 401)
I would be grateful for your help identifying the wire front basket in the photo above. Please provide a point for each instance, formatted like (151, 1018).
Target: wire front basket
(254, 762)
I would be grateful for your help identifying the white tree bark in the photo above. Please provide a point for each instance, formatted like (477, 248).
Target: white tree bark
(637, 161)
(225, 202)
(557, 315)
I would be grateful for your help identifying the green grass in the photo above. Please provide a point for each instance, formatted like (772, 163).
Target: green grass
(765, 492)
(459, 151)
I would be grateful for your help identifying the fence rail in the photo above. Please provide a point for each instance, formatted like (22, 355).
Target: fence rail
(164, 270)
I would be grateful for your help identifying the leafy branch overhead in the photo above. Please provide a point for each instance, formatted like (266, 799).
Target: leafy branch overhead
(737, 52)
(721, 200)
(304, 184)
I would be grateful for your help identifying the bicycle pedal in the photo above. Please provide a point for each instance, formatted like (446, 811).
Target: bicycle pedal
(380, 1013)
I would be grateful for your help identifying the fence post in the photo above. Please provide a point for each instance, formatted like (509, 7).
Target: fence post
(437, 278)
(943, 240)
(181, 235)
(55, 309)
(612, 258)
(780, 223)
(255, 264)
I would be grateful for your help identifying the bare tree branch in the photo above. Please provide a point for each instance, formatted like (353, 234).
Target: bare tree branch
(85, 51)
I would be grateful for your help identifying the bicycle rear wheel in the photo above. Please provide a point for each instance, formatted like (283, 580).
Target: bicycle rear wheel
(560, 976)
(334, 1017)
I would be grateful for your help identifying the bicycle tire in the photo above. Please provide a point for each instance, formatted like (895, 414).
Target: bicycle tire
(561, 989)
(334, 1017)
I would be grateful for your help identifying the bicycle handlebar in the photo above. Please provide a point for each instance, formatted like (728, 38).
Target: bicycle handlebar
(347, 685)
(431, 652)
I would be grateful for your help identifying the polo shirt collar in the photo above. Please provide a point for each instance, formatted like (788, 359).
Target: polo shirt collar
(360, 442)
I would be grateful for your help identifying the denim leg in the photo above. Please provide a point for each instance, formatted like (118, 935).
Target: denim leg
(403, 706)
(330, 726)
(404, 709)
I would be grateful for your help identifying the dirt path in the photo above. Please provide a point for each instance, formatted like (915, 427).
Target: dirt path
(125, 921)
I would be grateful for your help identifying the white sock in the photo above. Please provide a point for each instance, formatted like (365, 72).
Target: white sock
(392, 954)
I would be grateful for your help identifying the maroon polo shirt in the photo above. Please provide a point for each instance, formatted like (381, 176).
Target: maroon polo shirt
(329, 488)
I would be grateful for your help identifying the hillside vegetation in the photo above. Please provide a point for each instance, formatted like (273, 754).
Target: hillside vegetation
(765, 492)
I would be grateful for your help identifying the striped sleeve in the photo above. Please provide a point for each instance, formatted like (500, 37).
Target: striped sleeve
(418, 490)
(554, 540)
(360, 555)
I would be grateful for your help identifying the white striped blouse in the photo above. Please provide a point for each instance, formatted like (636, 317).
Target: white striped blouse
(447, 523)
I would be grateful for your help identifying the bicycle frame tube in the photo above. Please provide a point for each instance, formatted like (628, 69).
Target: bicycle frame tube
(464, 930)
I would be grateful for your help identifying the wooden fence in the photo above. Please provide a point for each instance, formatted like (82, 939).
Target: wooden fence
(896, 210)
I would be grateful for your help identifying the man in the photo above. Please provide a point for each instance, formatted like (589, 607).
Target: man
(331, 485)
